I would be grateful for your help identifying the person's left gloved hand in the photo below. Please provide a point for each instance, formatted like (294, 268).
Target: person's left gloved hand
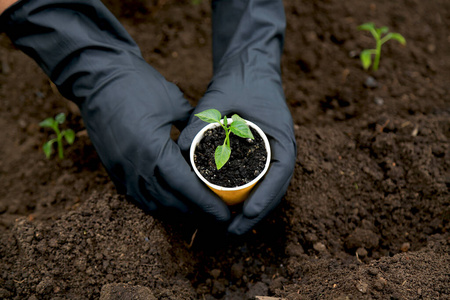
(127, 106)
(247, 44)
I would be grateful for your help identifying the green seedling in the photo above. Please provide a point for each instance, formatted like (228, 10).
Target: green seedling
(68, 134)
(239, 127)
(381, 35)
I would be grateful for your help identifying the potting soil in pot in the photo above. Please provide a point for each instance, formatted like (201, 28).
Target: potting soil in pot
(247, 160)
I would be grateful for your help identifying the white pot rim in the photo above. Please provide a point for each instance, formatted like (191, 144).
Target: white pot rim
(199, 137)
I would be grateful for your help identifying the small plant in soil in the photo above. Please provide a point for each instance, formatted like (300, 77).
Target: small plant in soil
(238, 127)
(67, 134)
(381, 35)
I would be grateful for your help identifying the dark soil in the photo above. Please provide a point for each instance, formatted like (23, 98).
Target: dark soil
(247, 160)
(366, 215)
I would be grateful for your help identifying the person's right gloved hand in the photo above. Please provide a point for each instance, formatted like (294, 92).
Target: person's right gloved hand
(127, 106)
(248, 38)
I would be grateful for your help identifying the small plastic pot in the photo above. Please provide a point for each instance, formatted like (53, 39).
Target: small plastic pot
(230, 195)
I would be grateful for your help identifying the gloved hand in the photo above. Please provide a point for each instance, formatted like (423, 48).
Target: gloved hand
(127, 106)
(248, 38)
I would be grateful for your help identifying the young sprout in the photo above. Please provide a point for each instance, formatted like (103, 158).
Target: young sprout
(239, 127)
(68, 134)
(366, 55)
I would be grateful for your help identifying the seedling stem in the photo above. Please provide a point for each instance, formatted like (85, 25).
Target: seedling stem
(366, 55)
(68, 134)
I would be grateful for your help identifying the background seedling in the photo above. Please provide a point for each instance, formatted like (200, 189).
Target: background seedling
(377, 33)
(68, 134)
(239, 127)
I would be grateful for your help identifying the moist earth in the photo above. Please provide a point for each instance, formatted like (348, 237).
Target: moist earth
(366, 215)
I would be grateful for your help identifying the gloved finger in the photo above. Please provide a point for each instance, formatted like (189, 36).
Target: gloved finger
(162, 196)
(189, 132)
(182, 111)
(242, 224)
(150, 194)
(177, 173)
(260, 206)
(275, 182)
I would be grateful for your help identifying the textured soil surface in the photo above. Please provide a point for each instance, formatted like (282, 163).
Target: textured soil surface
(366, 215)
(247, 159)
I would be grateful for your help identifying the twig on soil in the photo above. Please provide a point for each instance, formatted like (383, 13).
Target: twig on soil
(192, 239)
(357, 258)
(380, 128)
(407, 123)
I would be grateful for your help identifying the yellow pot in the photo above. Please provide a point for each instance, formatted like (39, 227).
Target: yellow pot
(237, 194)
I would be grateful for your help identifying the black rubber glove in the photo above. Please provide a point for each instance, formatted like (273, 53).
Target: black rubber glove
(127, 106)
(248, 38)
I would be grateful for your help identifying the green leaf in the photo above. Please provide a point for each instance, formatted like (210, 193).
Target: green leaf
(69, 135)
(209, 116)
(366, 58)
(48, 149)
(222, 155)
(225, 121)
(382, 30)
(367, 26)
(240, 128)
(60, 118)
(236, 117)
(49, 122)
(398, 37)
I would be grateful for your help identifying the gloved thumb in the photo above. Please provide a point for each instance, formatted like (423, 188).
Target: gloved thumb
(189, 132)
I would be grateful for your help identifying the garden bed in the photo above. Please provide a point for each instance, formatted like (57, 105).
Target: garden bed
(367, 212)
